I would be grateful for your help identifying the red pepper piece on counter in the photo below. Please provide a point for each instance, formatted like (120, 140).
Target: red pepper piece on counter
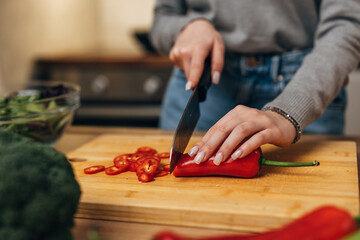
(149, 166)
(146, 150)
(246, 167)
(94, 169)
(136, 156)
(166, 167)
(161, 173)
(144, 177)
(137, 163)
(123, 164)
(113, 170)
(163, 155)
(324, 223)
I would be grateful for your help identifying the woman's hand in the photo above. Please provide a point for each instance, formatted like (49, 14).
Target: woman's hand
(197, 40)
(243, 129)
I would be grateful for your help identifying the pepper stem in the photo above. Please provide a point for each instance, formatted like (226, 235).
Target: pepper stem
(357, 219)
(267, 162)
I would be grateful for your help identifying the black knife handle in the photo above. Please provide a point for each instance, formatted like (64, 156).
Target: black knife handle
(205, 80)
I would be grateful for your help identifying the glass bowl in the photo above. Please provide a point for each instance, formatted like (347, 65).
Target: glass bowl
(42, 111)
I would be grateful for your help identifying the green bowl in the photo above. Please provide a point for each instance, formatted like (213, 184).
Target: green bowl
(42, 111)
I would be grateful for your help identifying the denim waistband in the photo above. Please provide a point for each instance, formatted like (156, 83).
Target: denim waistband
(265, 64)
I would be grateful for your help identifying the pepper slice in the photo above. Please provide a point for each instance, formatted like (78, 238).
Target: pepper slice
(149, 166)
(122, 162)
(145, 177)
(163, 155)
(166, 167)
(137, 163)
(161, 174)
(146, 150)
(94, 169)
(113, 170)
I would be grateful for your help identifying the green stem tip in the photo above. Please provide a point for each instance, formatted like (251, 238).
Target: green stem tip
(357, 219)
(267, 162)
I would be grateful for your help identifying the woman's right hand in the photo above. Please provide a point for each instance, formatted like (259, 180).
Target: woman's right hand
(198, 40)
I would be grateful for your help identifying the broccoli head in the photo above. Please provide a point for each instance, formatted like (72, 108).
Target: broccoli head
(38, 191)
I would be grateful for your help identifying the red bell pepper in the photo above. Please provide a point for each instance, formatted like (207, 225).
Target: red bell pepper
(324, 223)
(246, 167)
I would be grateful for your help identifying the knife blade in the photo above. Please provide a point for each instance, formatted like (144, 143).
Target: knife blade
(190, 117)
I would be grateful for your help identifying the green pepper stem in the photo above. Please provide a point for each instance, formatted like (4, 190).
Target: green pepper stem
(357, 219)
(267, 162)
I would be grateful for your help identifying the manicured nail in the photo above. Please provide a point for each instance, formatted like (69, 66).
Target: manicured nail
(193, 151)
(188, 86)
(199, 157)
(236, 154)
(218, 159)
(216, 77)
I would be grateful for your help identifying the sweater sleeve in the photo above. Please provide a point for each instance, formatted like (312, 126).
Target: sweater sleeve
(324, 71)
(170, 17)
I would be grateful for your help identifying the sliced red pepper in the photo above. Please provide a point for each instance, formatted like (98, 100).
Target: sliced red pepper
(137, 163)
(149, 166)
(122, 163)
(146, 150)
(121, 160)
(246, 167)
(161, 173)
(94, 169)
(136, 156)
(166, 167)
(163, 155)
(144, 177)
(113, 170)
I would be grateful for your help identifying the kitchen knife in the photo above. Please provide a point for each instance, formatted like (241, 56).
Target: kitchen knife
(190, 116)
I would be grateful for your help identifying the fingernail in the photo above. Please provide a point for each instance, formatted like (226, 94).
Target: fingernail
(236, 154)
(199, 157)
(218, 159)
(188, 86)
(216, 77)
(193, 151)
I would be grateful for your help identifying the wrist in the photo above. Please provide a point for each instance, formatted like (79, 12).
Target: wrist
(294, 123)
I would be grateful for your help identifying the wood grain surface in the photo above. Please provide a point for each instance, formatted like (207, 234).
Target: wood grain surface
(275, 197)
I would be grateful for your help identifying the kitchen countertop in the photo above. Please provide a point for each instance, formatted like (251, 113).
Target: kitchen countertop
(75, 136)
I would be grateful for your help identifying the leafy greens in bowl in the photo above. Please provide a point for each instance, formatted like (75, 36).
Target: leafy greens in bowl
(40, 112)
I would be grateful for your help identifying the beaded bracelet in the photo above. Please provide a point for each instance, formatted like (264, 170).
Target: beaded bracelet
(288, 117)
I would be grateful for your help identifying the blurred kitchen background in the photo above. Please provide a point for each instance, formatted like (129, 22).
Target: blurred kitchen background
(101, 45)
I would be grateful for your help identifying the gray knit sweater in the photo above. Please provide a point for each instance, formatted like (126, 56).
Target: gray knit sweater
(277, 26)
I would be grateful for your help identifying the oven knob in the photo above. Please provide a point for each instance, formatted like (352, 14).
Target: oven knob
(152, 85)
(100, 84)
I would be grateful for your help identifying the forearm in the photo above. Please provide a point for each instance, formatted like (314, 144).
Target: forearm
(324, 71)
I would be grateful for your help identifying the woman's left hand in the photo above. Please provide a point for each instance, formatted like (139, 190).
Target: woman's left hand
(241, 131)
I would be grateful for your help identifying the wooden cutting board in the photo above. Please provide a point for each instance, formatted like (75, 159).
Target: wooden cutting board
(277, 196)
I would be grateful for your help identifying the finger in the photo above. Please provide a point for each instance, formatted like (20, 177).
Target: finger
(185, 58)
(210, 146)
(252, 143)
(197, 66)
(194, 150)
(239, 133)
(175, 58)
(217, 61)
(233, 114)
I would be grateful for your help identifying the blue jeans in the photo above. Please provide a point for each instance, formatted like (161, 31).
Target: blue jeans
(250, 81)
